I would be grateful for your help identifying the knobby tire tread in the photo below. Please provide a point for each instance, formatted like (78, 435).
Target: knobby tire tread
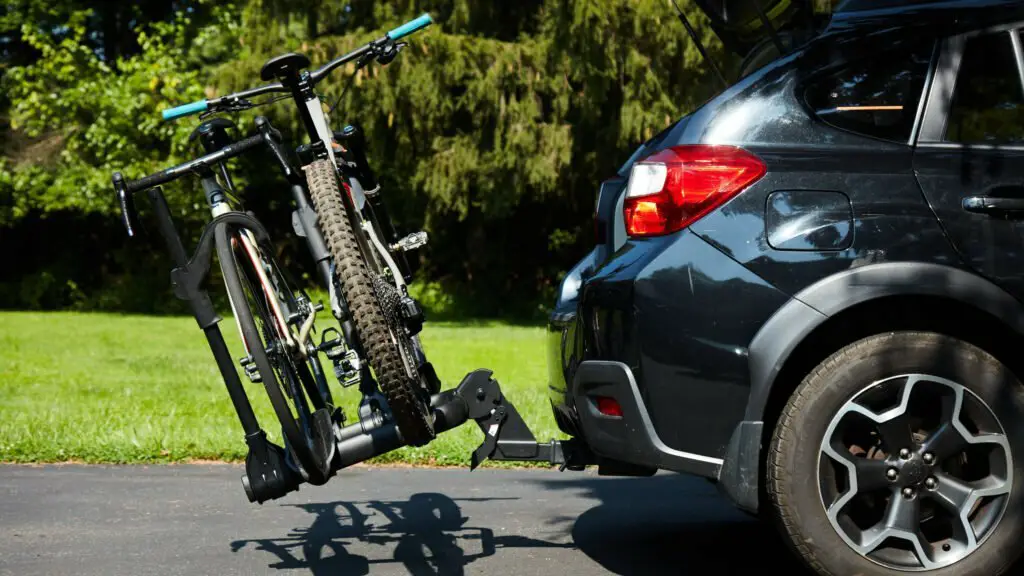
(356, 286)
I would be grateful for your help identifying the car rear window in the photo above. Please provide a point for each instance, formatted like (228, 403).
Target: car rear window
(877, 96)
(988, 100)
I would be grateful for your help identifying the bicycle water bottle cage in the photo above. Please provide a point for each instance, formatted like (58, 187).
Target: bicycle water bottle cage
(213, 134)
(283, 67)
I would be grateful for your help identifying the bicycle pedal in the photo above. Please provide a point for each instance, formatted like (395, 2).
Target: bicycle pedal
(410, 242)
(347, 368)
(251, 370)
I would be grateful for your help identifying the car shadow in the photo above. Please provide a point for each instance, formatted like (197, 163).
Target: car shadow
(673, 524)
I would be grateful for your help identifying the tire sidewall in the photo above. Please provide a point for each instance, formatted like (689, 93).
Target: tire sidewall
(797, 446)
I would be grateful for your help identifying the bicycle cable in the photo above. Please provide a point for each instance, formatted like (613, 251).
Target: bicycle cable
(362, 63)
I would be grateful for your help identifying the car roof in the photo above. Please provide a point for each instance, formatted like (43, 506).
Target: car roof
(847, 6)
(941, 17)
(740, 30)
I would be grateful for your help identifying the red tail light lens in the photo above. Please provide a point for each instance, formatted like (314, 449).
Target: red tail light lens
(677, 186)
(609, 406)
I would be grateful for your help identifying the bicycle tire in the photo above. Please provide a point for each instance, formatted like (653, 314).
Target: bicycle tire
(411, 411)
(312, 446)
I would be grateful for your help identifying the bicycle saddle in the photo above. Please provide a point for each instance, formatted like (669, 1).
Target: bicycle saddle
(213, 134)
(284, 66)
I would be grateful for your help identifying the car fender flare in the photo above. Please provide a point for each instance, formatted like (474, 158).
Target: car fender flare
(786, 329)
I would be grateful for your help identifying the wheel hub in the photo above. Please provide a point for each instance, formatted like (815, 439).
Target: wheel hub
(939, 490)
(912, 472)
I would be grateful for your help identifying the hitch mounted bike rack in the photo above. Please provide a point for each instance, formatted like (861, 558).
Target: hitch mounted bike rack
(478, 397)
(269, 472)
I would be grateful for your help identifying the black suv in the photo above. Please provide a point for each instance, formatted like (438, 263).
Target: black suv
(810, 289)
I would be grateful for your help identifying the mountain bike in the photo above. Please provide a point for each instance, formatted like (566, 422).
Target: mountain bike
(363, 266)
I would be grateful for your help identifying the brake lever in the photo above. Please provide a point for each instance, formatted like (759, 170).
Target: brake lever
(129, 213)
(388, 51)
(234, 105)
(272, 137)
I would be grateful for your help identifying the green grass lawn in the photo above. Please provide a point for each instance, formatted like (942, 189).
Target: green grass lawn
(111, 388)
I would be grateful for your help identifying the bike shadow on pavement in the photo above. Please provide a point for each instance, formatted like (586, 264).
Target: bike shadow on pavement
(672, 524)
(428, 533)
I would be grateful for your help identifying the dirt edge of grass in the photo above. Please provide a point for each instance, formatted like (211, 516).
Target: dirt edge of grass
(239, 463)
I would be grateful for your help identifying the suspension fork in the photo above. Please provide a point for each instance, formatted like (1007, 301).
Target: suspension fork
(305, 224)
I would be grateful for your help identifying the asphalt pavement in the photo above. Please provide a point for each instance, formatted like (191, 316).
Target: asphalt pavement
(166, 520)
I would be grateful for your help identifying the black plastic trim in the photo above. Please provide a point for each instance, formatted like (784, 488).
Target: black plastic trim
(777, 339)
(632, 437)
(741, 470)
(940, 93)
(772, 345)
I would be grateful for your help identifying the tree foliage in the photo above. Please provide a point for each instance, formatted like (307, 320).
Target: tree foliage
(492, 130)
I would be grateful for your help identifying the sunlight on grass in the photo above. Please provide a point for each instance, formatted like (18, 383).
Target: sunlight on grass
(111, 388)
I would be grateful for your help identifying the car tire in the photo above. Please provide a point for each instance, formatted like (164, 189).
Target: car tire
(918, 373)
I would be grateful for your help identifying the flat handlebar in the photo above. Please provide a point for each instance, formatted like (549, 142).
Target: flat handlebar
(315, 76)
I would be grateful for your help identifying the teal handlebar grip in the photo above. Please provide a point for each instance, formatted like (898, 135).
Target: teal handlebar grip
(184, 110)
(411, 26)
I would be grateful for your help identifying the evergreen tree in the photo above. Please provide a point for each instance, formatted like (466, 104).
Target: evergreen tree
(492, 130)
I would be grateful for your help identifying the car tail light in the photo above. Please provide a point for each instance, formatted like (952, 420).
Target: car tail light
(609, 406)
(674, 188)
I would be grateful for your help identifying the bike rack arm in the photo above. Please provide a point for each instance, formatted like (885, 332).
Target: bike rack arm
(186, 281)
(479, 398)
(507, 438)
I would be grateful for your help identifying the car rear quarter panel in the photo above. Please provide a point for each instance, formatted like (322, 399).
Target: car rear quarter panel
(891, 220)
(680, 314)
(681, 311)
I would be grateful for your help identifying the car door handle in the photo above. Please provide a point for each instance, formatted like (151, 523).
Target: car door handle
(993, 205)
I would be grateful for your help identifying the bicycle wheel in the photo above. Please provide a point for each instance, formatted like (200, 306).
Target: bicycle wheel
(262, 305)
(373, 302)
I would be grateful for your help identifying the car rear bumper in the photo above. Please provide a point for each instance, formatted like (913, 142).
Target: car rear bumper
(630, 438)
(663, 327)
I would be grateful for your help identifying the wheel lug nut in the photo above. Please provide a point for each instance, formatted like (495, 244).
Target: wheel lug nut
(931, 483)
(908, 493)
(892, 473)
(929, 458)
(905, 454)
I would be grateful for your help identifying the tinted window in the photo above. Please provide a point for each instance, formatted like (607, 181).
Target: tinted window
(877, 96)
(988, 100)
